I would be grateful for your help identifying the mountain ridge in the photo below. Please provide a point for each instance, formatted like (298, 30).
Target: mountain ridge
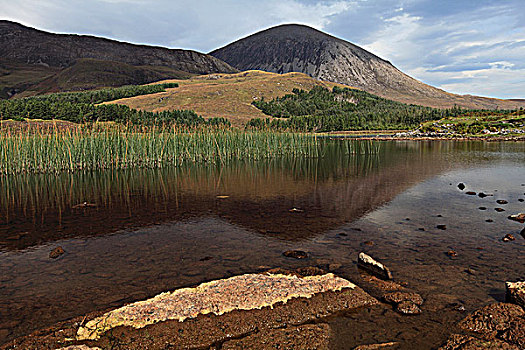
(29, 47)
(299, 48)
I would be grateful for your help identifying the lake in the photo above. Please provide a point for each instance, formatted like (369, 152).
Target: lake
(146, 231)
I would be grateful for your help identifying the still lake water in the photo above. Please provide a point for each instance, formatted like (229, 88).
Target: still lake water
(162, 229)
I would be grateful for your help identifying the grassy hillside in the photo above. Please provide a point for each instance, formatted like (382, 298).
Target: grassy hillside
(88, 74)
(16, 77)
(225, 95)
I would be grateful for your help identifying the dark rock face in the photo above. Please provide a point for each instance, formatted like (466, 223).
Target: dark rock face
(298, 48)
(33, 46)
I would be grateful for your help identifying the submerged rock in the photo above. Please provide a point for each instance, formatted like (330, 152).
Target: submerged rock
(297, 254)
(499, 210)
(311, 336)
(441, 227)
(465, 342)
(491, 319)
(452, 253)
(508, 237)
(382, 346)
(515, 293)
(502, 201)
(461, 186)
(401, 296)
(471, 193)
(371, 265)
(55, 253)
(408, 308)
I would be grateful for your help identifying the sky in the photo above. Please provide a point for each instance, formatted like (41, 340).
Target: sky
(463, 46)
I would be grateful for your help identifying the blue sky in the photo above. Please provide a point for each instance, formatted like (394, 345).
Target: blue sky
(468, 47)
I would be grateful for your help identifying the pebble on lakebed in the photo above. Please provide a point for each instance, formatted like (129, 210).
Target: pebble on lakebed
(297, 254)
(508, 237)
(55, 253)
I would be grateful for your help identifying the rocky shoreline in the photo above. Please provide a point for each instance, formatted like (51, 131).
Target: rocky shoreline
(276, 309)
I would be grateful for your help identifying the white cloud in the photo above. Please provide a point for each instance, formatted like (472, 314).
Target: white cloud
(462, 46)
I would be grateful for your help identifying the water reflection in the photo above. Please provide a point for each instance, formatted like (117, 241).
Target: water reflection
(334, 189)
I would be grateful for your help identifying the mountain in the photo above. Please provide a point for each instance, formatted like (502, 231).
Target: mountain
(298, 48)
(29, 56)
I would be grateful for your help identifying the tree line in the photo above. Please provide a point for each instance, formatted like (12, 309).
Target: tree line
(321, 109)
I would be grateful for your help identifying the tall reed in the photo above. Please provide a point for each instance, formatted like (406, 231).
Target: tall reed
(120, 148)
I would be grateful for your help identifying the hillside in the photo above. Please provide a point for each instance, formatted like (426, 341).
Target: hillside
(298, 48)
(25, 50)
(225, 95)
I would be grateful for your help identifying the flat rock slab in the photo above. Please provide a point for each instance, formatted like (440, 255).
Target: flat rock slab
(465, 342)
(301, 337)
(209, 330)
(218, 311)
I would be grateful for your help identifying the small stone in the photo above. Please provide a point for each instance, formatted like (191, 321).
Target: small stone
(522, 233)
(297, 254)
(489, 220)
(421, 229)
(368, 243)
(508, 237)
(408, 308)
(482, 208)
(342, 234)
(398, 297)
(369, 264)
(223, 197)
(499, 210)
(334, 266)
(515, 293)
(452, 253)
(518, 217)
(482, 195)
(55, 253)
(441, 227)
(206, 258)
(471, 272)
(502, 201)
(521, 200)
(310, 271)
(382, 346)
(295, 210)
(461, 186)
(471, 193)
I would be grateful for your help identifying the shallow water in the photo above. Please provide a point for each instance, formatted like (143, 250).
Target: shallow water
(157, 230)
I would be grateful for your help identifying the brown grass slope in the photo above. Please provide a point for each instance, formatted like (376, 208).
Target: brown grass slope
(298, 48)
(225, 95)
(28, 48)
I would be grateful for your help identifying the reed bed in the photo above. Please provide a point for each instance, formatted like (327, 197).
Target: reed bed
(121, 148)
